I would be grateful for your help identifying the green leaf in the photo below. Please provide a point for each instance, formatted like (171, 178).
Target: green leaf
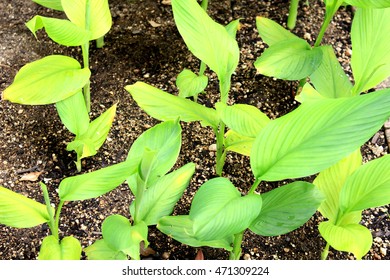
(190, 84)
(369, 3)
(317, 135)
(289, 60)
(353, 238)
(370, 59)
(207, 40)
(159, 199)
(74, 113)
(367, 187)
(99, 128)
(88, 143)
(238, 143)
(244, 119)
(330, 79)
(271, 32)
(286, 208)
(120, 235)
(219, 211)
(164, 140)
(95, 183)
(331, 180)
(308, 94)
(232, 28)
(164, 106)
(61, 31)
(99, 250)
(52, 4)
(48, 80)
(180, 228)
(69, 248)
(19, 211)
(93, 16)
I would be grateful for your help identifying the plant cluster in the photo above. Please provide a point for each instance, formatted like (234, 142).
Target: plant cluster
(321, 137)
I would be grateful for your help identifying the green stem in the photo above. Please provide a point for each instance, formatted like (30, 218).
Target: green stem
(292, 15)
(141, 186)
(49, 210)
(235, 254)
(100, 42)
(202, 66)
(205, 4)
(85, 51)
(254, 186)
(328, 18)
(87, 87)
(57, 220)
(325, 252)
(221, 153)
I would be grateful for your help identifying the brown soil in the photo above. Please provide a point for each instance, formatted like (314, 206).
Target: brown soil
(33, 139)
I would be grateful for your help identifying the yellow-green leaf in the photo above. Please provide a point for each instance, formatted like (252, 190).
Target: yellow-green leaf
(370, 59)
(353, 238)
(19, 211)
(48, 80)
(331, 180)
(91, 15)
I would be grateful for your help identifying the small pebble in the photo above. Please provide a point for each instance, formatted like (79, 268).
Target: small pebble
(383, 251)
(166, 255)
(213, 147)
(247, 257)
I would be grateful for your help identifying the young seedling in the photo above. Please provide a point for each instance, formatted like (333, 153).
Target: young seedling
(145, 170)
(292, 58)
(61, 79)
(349, 188)
(19, 211)
(283, 149)
(279, 149)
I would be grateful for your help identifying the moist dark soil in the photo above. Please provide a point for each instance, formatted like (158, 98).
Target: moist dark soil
(144, 45)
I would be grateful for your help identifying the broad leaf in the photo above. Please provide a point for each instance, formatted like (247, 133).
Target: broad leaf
(120, 235)
(290, 60)
(69, 248)
(370, 59)
(159, 199)
(52, 4)
(331, 180)
(367, 187)
(207, 40)
(369, 3)
(98, 129)
(48, 80)
(317, 135)
(93, 16)
(95, 183)
(238, 143)
(61, 31)
(100, 250)
(74, 113)
(88, 143)
(164, 106)
(330, 79)
(219, 211)
(353, 238)
(163, 141)
(245, 119)
(180, 228)
(18, 211)
(272, 32)
(286, 208)
(190, 84)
